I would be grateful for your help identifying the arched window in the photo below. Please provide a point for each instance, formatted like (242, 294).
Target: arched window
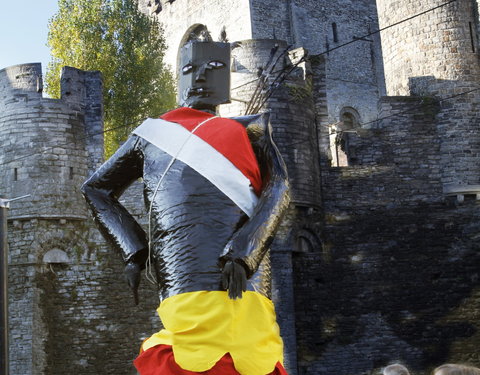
(307, 242)
(304, 245)
(341, 138)
(349, 121)
(56, 256)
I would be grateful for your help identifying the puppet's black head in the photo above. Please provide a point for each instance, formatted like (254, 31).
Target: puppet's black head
(204, 75)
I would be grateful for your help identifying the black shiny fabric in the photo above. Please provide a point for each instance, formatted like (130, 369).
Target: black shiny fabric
(195, 228)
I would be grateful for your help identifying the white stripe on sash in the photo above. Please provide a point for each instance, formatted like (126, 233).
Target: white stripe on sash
(178, 142)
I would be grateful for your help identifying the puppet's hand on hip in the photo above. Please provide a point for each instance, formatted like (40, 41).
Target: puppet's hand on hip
(132, 274)
(234, 279)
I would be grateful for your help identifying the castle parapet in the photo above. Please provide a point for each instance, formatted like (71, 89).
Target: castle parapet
(24, 77)
(48, 145)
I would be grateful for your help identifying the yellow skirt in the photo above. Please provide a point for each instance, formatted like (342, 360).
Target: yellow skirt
(203, 326)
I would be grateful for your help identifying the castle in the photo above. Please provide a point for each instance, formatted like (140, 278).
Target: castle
(378, 258)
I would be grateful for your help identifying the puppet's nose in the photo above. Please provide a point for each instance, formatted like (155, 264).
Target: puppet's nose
(200, 75)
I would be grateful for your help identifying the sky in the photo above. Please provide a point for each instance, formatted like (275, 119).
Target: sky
(24, 30)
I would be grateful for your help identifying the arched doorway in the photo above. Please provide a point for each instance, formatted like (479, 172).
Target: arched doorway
(341, 138)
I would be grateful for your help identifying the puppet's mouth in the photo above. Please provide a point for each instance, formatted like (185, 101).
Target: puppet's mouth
(197, 91)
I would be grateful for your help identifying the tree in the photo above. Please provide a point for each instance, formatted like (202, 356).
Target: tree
(114, 37)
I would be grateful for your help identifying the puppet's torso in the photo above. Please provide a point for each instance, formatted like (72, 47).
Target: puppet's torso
(191, 218)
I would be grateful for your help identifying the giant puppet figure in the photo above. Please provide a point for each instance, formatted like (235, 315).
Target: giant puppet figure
(215, 190)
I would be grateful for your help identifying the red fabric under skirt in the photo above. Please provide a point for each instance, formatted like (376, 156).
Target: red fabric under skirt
(159, 360)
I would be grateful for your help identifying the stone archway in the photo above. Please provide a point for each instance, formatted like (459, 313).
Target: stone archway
(341, 145)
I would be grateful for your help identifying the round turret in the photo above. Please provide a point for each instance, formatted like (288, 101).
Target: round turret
(24, 77)
(432, 52)
(435, 54)
(43, 147)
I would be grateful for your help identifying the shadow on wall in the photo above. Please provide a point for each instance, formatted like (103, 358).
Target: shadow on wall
(408, 291)
(397, 276)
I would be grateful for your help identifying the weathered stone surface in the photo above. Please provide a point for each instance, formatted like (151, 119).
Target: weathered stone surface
(67, 314)
(354, 73)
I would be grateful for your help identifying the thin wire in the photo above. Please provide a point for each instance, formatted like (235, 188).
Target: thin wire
(264, 75)
(387, 27)
(148, 264)
(409, 111)
(251, 109)
(234, 88)
(84, 138)
(275, 84)
(365, 36)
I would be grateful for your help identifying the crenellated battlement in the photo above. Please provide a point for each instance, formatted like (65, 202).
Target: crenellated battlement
(23, 77)
(49, 145)
(20, 81)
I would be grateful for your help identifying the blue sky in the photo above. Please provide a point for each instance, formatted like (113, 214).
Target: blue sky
(24, 30)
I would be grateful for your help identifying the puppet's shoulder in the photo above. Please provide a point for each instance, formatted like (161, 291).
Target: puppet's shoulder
(257, 125)
(259, 120)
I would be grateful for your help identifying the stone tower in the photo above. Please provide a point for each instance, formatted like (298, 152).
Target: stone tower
(51, 130)
(63, 278)
(436, 55)
(43, 155)
(354, 74)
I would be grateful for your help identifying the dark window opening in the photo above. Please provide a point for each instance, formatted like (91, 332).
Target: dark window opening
(472, 39)
(71, 173)
(304, 245)
(334, 32)
(470, 197)
(343, 139)
(155, 6)
(15, 174)
(348, 120)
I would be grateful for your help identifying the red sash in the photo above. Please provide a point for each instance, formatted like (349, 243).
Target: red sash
(159, 360)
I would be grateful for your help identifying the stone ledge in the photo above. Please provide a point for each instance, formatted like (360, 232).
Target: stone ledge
(461, 190)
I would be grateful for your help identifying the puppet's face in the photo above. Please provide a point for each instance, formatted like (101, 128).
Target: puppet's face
(204, 75)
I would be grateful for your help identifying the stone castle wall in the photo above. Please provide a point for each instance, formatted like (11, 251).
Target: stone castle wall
(436, 54)
(440, 45)
(40, 152)
(395, 273)
(354, 73)
(392, 270)
(178, 18)
(67, 293)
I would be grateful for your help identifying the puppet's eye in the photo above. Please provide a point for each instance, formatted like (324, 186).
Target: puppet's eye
(187, 68)
(216, 64)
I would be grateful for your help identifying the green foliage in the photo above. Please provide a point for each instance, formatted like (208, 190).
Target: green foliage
(301, 92)
(114, 37)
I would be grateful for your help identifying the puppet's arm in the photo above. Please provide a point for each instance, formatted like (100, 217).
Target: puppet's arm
(250, 243)
(102, 191)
